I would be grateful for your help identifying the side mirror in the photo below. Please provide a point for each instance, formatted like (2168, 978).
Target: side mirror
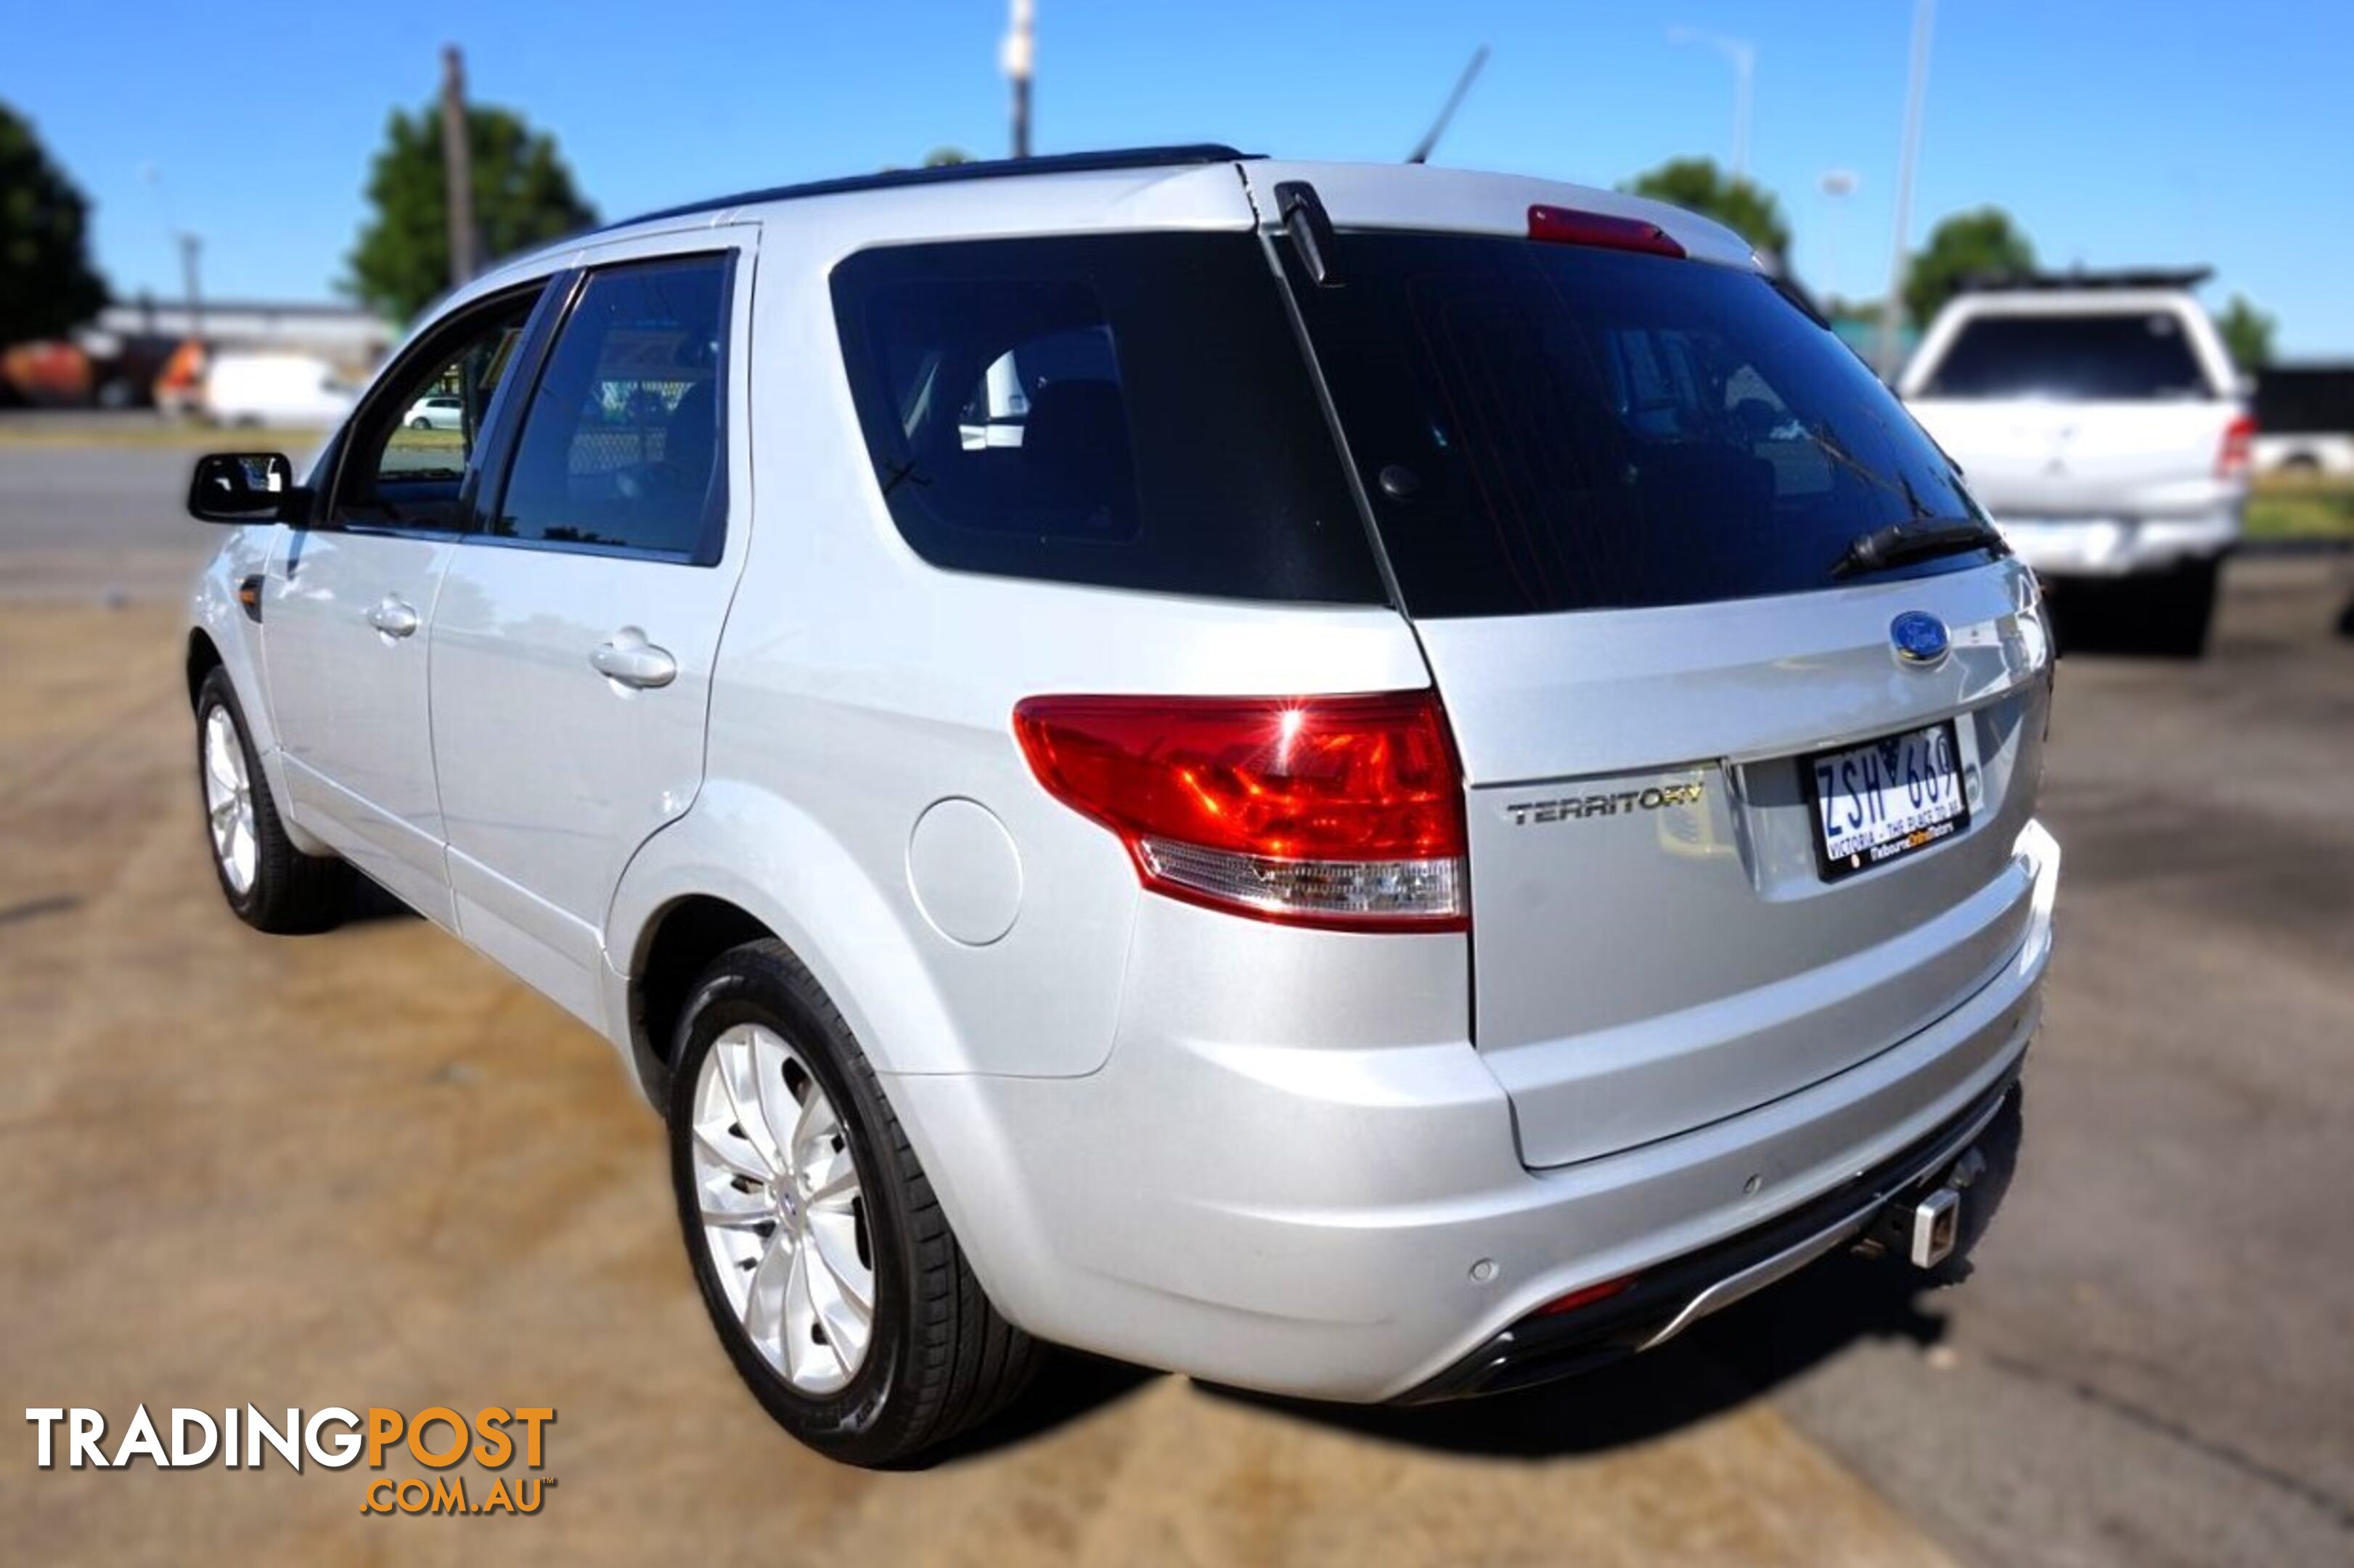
(244, 487)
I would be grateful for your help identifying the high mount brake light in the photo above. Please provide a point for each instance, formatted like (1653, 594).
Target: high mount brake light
(1567, 225)
(1344, 813)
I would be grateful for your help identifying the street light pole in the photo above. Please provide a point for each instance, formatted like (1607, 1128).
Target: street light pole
(457, 166)
(1743, 53)
(1836, 185)
(1891, 310)
(1015, 54)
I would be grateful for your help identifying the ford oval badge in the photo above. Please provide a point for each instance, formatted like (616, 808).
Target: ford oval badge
(1919, 639)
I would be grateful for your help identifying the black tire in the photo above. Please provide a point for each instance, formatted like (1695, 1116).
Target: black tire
(420, 423)
(2177, 610)
(941, 1358)
(293, 893)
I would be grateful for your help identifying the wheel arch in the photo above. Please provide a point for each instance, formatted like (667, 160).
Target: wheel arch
(746, 865)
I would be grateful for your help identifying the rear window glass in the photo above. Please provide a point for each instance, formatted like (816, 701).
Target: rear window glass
(1553, 427)
(2120, 357)
(1127, 410)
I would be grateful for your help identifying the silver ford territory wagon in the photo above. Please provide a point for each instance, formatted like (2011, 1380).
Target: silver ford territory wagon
(1370, 782)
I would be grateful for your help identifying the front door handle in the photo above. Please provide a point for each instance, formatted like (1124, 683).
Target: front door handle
(627, 657)
(392, 618)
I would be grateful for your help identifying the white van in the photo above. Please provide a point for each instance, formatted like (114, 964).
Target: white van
(275, 389)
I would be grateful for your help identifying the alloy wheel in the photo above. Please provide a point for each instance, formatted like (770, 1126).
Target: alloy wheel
(782, 1210)
(229, 801)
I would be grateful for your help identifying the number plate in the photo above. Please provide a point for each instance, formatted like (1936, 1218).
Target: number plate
(1876, 802)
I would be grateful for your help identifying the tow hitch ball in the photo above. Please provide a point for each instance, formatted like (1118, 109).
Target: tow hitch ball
(1926, 1230)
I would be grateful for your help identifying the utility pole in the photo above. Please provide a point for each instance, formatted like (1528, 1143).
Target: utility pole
(457, 166)
(1743, 53)
(1892, 311)
(1015, 57)
(190, 244)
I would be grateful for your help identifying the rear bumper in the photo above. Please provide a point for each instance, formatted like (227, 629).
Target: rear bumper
(2112, 547)
(1294, 1178)
(1666, 1300)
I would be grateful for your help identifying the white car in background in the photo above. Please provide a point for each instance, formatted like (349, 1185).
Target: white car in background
(2100, 420)
(275, 389)
(438, 411)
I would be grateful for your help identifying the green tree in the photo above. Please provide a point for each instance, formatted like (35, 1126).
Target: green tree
(1697, 185)
(523, 195)
(47, 286)
(1965, 245)
(2248, 333)
(943, 157)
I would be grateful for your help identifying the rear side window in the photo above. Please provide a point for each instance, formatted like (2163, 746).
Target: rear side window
(1550, 428)
(1126, 410)
(623, 441)
(2117, 357)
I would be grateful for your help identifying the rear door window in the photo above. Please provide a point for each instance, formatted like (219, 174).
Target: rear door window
(1547, 427)
(2137, 357)
(623, 440)
(1128, 410)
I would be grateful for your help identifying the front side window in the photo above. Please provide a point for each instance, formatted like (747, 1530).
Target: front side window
(624, 439)
(413, 443)
(1126, 410)
(2130, 356)
(1544, 426)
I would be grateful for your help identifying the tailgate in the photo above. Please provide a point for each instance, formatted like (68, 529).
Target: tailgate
(2035, 459)
(1676, 954)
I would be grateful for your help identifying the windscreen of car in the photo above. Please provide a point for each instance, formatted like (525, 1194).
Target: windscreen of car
(2115, 357)
(1546, 427)
(1128, 410)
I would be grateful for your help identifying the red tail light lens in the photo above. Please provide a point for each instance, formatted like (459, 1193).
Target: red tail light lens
(2239, 449)
(1567, 225)
(1340, 813)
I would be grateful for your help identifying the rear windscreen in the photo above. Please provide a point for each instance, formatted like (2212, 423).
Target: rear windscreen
(1128, 410)
(2117, 356)
(1549, 427)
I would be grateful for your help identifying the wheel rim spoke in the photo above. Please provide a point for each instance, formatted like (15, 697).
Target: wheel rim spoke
(736, 1055)
(765, 1304)
(732, 1154)
(834, 1239)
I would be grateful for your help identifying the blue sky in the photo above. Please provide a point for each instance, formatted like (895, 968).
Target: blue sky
(2119, 134)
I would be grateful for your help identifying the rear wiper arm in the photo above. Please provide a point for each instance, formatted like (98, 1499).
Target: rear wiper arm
(1900, 544)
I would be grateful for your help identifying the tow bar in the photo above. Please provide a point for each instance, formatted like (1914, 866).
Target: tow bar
(1926, 1231)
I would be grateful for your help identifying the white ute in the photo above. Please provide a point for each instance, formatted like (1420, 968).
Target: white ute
(2099, 418)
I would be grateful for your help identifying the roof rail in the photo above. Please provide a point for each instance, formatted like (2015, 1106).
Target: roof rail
(952, 173)
(2140, 277)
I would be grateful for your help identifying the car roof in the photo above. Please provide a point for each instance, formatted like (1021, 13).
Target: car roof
(1193, 186)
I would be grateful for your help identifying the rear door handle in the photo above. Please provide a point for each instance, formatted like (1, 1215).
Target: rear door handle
(392, 618)
(627, 657)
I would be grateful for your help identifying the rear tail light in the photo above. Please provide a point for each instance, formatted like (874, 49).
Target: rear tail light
(2239, 449)
(1567, 225)
(1344, 813)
